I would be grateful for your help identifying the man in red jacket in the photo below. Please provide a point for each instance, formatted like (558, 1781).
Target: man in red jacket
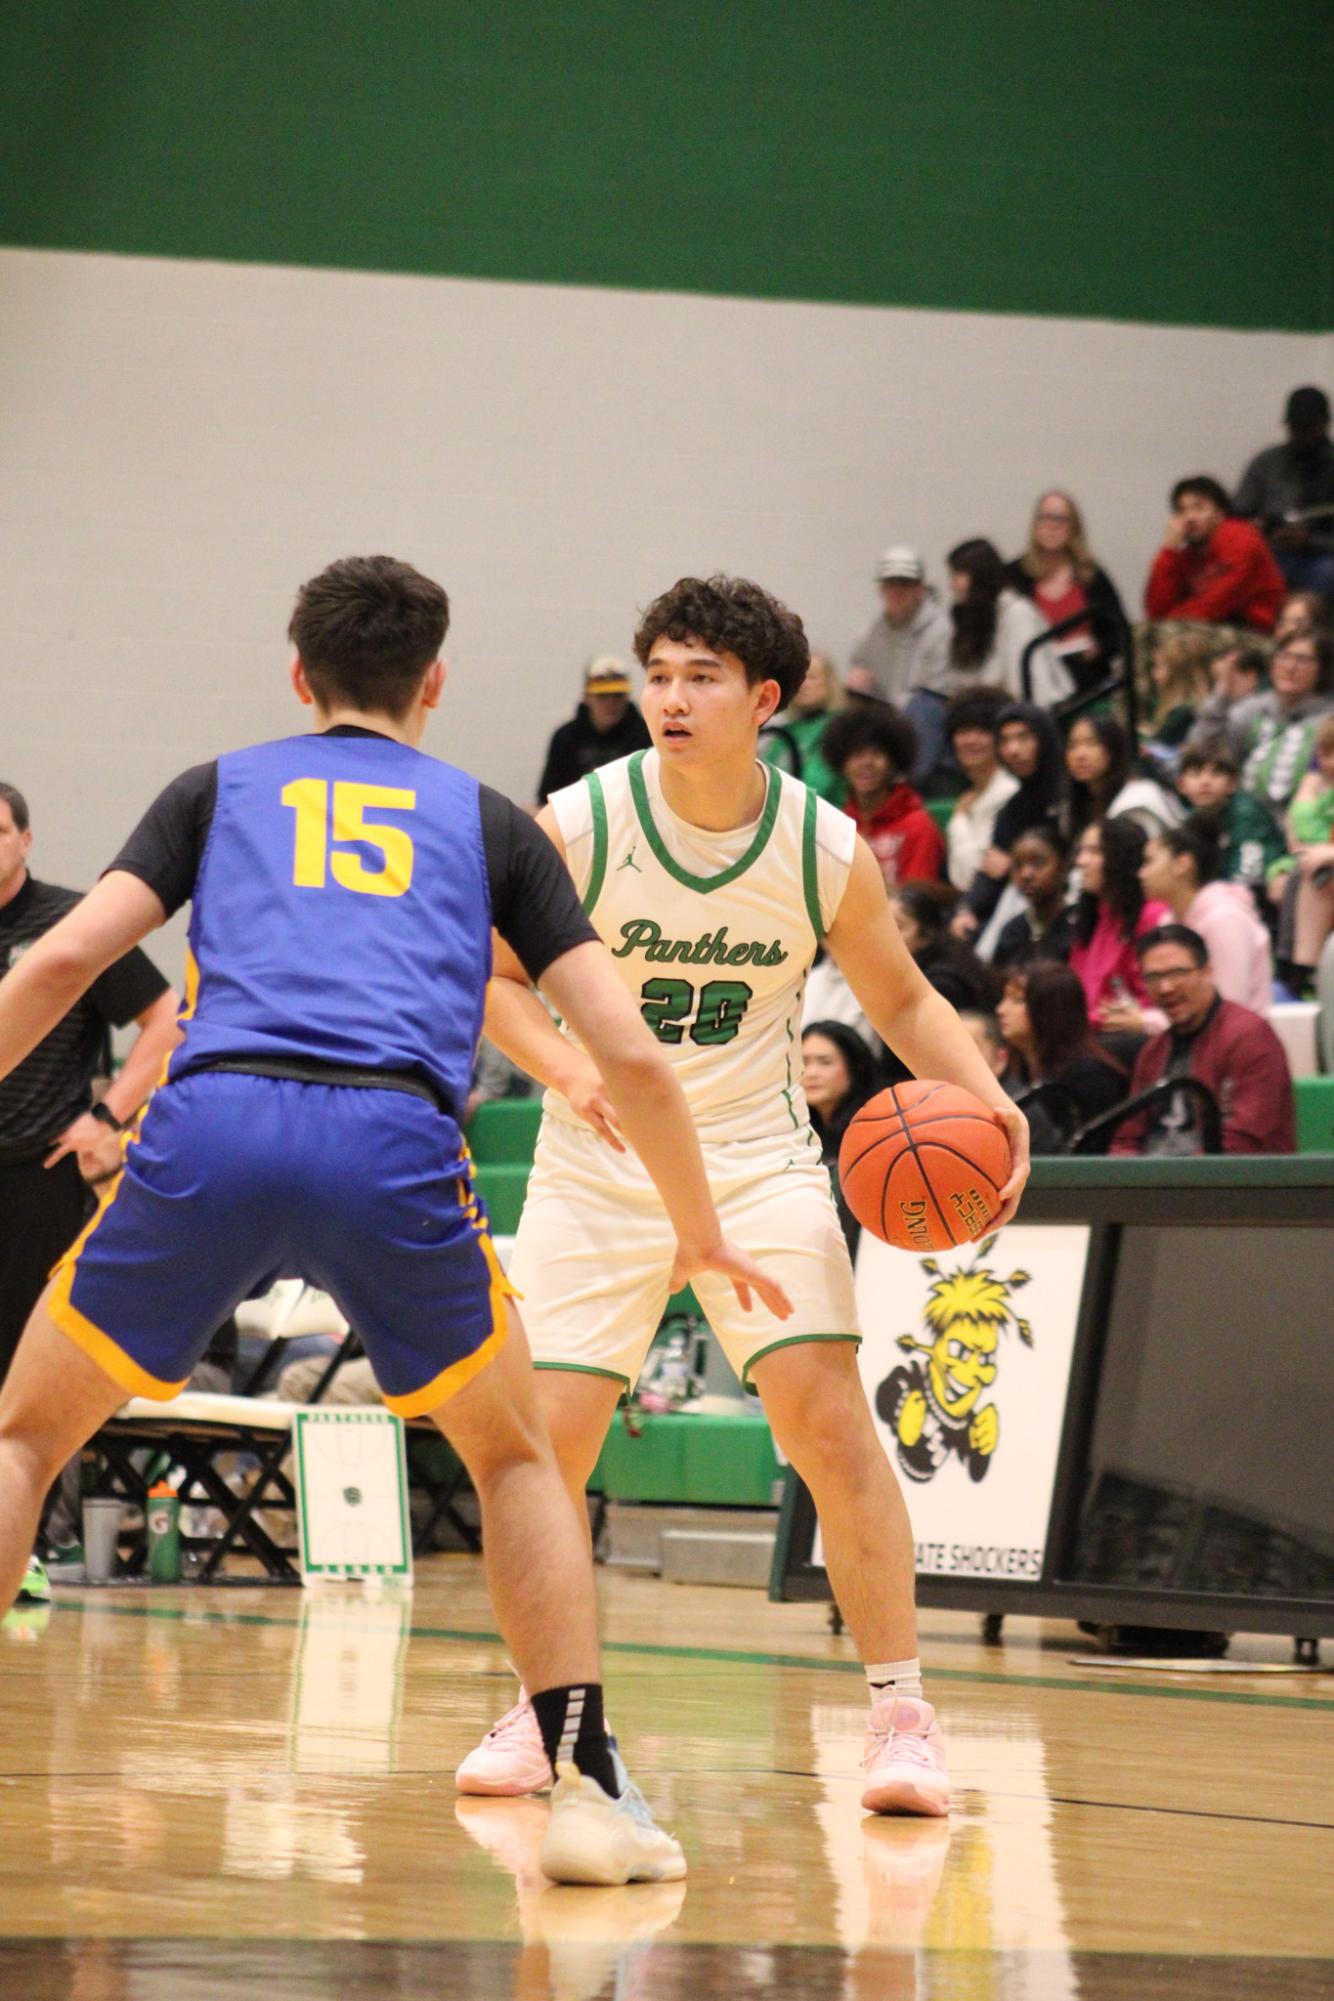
(1222, 1044)
(1212, 567)
(872, 747)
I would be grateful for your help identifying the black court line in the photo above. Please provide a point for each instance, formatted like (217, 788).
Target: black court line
(964, 1793)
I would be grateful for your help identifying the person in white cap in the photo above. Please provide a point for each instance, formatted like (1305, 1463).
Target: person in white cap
(908, 646)
(605, 726)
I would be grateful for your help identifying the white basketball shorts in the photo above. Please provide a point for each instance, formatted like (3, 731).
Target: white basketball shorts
(593, 1255)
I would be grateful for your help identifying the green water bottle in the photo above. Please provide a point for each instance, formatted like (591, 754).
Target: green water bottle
(163, 1522)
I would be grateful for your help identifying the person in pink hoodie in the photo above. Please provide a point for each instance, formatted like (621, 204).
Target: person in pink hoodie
(1111, 914)
(1183, 867)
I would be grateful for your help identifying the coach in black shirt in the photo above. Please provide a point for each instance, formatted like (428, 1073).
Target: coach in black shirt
(53, 1140)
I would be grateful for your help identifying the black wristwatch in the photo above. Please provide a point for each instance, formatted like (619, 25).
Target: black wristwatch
(102, 1111)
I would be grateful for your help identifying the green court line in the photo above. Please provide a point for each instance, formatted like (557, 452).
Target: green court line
(1238, 1698)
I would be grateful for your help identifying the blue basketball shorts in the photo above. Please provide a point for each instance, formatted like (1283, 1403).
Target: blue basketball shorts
(236, 1181)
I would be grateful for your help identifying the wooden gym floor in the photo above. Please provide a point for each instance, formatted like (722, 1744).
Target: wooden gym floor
(243, 1791)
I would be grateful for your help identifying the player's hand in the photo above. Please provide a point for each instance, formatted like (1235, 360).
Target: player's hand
(96, 1145)
(1015, 1127)
(746, 1275)
(585, 1093)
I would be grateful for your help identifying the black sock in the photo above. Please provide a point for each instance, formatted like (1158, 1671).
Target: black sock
(574, 1728)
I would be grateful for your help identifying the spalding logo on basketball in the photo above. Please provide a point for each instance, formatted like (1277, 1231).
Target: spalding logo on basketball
(922, 1166)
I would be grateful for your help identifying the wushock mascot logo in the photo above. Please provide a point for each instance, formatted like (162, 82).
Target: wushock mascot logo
(934, 1406)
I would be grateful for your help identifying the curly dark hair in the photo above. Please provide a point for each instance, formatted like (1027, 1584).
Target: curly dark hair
(731, 615)
(875, 725)
(976, 709)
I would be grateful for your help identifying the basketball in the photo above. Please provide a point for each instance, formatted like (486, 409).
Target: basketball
(922, 1166)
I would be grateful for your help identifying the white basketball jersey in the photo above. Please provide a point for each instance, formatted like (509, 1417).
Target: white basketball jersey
(713, 933)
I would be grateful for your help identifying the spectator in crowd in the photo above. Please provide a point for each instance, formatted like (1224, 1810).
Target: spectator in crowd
(1238, 676)
(1058, 572)
(1103, 785)
(1209, 779)
(1111, 915)
(494, 1076)
(802, 725)
(984, 1027)
(1044, 1019)
(1045, 928)
(1223, 1045)
(907, 645)
(871, 749)
(1182, 868)
(949, 965)
(1301, 614)
(1280, 742)
(605, 726)
(1288, 490)
(992, 628)
(972, 728)
(838, 1075)
(1212, 568)
(1179, 671)
(1306, 883)
(55, 1143)
(1030, 750)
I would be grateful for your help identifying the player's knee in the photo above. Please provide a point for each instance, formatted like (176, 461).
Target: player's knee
(29, 1452)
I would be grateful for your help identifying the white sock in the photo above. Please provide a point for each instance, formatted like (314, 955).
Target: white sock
(894, 1678)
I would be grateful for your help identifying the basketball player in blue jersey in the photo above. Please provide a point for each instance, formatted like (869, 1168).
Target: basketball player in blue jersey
(343, 890)
(714, 879)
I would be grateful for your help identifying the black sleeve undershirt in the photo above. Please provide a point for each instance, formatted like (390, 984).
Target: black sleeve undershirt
(533, 902)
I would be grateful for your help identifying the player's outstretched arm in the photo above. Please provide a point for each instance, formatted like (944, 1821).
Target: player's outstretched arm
(909, 1014)
(62, 965)
(651, 1110)
(521, 1029)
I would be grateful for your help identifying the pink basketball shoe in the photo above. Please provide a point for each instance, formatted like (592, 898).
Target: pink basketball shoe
(510, 1758)
(904, 1759)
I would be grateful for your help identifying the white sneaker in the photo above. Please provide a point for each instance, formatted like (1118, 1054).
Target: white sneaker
(592, 1838)
(510, 1759)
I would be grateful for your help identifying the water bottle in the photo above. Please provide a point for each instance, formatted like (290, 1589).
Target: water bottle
(162, 1519)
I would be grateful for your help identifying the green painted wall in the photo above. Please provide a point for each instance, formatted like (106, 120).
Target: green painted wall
(1113, 158)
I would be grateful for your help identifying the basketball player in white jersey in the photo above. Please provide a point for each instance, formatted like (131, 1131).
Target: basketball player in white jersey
(713, 878)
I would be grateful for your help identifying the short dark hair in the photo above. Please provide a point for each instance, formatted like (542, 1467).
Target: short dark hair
(876, 726)
(1211, 751)
(18, 806)
(976, 709)
(991, 1027)
(1307, 405)
(1174, 934)
(1200, 839)
(731, 615)
(366, 630)
(1203, 483)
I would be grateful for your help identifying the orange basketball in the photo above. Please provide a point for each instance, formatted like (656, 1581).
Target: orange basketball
(922, 1166)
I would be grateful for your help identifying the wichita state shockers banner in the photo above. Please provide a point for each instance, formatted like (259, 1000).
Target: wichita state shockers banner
(965, 1358)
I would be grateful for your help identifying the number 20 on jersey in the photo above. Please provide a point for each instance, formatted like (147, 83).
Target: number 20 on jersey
(326, 842)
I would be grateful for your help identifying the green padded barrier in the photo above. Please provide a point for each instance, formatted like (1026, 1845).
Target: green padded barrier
(502, 1188)
(690, 1460)
(941, 811)
(1315, 1114)
(505, 1129)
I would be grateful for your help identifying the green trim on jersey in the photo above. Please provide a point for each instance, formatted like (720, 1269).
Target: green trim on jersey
(597, 799)
(703, 883)
(810, 879)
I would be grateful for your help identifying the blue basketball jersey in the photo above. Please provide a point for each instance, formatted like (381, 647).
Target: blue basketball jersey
(342, 913)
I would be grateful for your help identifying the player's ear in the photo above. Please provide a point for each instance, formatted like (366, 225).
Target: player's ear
(768, 700)
(305, 694)
(434, 684)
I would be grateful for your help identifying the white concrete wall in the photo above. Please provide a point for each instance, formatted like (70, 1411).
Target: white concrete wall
(181, 444)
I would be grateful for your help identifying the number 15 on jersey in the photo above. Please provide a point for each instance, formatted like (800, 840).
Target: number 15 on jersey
(320, 849)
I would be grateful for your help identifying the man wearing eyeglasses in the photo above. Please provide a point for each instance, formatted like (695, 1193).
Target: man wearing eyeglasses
(1221, 1044)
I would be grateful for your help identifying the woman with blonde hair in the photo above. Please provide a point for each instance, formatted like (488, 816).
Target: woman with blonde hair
(800, 727)
(1179, 671)
(1058, 572)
